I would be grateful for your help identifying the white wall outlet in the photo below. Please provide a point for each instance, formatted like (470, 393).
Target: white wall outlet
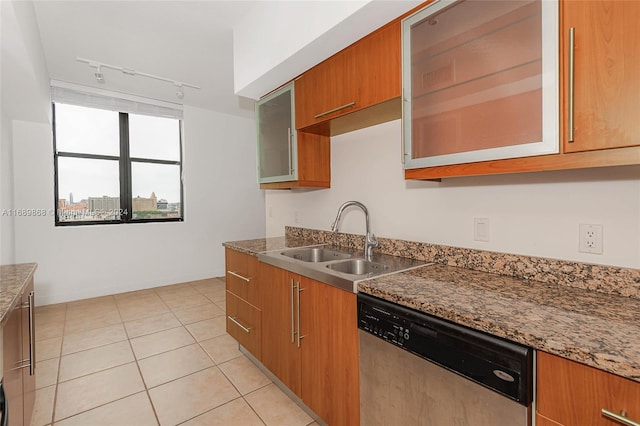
(481, 229)
(590, 238)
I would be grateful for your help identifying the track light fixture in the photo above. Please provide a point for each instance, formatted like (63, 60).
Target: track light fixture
(100, 77)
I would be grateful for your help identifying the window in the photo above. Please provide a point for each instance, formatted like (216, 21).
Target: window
(115, 166)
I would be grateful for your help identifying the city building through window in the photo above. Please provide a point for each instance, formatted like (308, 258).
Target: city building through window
(114, 166)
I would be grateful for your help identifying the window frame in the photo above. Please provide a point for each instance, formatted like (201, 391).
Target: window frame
(124, 174)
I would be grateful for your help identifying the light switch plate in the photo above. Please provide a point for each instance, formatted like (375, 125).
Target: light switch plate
(481, 229)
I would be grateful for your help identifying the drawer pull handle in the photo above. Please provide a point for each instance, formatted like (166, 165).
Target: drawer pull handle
(322, 114)
(619, 418)
(239, 276)
(571, 85)
(235, 321)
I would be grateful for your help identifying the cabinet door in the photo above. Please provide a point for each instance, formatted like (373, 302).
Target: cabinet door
(329, 351)
(378, 65)
(479, 82)
(279, 351)
(324, 88)
(606, 73)
(570, 393)
(277, 158)
(12, 359)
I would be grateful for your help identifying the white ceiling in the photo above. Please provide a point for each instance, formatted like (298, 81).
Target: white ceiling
(190, 41)
(187, 41)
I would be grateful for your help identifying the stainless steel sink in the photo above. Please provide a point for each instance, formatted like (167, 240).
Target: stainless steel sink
(341, 267)
(316, 254)
(358, 267)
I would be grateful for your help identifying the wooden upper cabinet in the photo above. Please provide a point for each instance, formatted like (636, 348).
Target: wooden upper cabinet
(570, 393)
(364, 74)
(327, 86)
(606, 73)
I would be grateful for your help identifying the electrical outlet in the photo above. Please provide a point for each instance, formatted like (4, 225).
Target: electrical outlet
(590, 238)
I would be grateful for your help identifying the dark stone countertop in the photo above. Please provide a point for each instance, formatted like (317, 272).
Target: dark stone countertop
(12, 281)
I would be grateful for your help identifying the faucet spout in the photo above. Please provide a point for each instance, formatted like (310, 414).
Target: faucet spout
(370, 239)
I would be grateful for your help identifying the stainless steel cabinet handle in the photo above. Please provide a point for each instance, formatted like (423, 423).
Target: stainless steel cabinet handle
(293, 331)
(341, 107)
(570, 90)
(619, 418)
(235, 321)
(298, 320)
(239, 276)
(32, 334)
(289, 141)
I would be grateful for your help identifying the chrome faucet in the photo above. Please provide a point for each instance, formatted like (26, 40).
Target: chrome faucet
(370, 240)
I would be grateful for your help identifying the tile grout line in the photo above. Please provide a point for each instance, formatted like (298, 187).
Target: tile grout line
(146, 389)
(55, 393)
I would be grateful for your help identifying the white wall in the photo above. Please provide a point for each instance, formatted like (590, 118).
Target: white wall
(222, 202)
(24, 96)
(534, 214)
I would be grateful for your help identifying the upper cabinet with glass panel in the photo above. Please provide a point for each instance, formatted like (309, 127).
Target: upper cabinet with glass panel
(277, 159)
(480, 81)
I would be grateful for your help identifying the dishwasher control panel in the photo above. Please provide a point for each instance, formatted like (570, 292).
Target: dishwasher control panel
(384, 324)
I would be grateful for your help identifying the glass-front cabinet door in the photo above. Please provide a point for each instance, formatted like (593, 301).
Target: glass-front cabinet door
(480, 81)
(277, 158)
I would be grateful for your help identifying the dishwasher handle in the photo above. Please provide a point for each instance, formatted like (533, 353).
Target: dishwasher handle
(424, 331)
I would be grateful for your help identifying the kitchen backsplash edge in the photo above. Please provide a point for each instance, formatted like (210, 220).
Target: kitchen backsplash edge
(602, 278)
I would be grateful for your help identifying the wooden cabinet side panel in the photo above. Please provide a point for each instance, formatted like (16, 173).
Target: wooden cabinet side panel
(607, 73)
(330, 375)
(314, 158)
(28, 380)
(573, 394)
(279, 354)
(12, 357)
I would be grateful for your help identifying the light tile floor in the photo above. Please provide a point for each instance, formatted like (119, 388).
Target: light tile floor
(157, 356)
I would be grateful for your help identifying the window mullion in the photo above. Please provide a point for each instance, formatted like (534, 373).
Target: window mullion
(125, 169)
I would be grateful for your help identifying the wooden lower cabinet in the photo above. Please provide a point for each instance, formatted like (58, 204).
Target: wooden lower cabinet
(311, 343)
(244, 316)
(18, 381)
(570, 393)
(329, 352)
(280, 352)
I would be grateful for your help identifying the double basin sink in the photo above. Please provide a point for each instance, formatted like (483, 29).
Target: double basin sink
(338, 266)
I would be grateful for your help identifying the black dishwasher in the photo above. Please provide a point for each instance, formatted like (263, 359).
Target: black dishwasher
(504, 367)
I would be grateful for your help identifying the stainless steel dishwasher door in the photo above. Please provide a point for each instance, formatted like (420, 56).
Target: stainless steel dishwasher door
(398, 388)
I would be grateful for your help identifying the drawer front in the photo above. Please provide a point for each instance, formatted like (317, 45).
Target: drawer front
(571, 393)
(242, 276)
(244, 323)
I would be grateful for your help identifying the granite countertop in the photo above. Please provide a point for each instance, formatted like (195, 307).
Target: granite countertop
(13, 278)
(596, 329)
(260, 245)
